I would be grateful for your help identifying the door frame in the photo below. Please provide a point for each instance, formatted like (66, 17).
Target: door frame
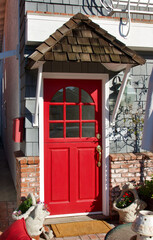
(105, 130)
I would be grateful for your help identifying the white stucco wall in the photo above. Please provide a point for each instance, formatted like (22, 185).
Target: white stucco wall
(10, 84)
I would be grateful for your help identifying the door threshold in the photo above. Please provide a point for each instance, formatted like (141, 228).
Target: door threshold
(73, 214)
(56, 219)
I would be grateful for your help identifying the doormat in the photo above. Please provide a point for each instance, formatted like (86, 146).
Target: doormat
(80, 228)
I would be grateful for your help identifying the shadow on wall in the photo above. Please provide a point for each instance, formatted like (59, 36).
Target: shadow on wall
(93, 7)
(126, 133)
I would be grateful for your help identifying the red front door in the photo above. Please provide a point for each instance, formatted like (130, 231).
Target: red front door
(72, 120)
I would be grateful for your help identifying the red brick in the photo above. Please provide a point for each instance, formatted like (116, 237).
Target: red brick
(133, 156)
(94, 236)
(127, 174)
(23, 161)
(28, 180)
(85, 237)
(25, 185)
(28, 170)
(122, 170)
(33, 174)
(24, 175)
(113, 157)
(137, 179)
(140, 156)
(27, 190)
(127, 156)
(101, 236)
(34, 184)
(31, 161)
(149, 155)
(114, 166)
(134, 170)
(121, 180)
(37, 169)
(128, 165)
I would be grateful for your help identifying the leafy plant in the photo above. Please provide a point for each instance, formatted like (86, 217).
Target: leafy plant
(125, 200)
(145, 191)
(25, 205)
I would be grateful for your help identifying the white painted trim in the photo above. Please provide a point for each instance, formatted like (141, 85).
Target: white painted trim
(75, 76)
(38, 89)
(120, 94)
(105, 144)
(41, 141)
(105, 129)
(74, 214)
(40, 26)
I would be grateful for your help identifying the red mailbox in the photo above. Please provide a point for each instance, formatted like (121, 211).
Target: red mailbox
(18, 126)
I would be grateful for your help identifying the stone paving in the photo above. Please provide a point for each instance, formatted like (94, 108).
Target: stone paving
(99, 236)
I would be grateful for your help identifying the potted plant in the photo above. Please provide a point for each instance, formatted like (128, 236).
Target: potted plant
(126, 200)
(25, 208)
(145, 192)
(128, 204)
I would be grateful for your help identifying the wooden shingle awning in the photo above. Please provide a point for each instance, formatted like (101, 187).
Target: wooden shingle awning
(82, 40)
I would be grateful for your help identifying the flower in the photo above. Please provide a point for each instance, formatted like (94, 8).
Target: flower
(126, 200)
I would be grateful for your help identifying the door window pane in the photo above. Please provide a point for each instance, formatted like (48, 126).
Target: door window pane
(56, 130)
(55, 112)
(72, 94)
(72, 112)
(72, 130)
(88, 129)
(85, 97)
(58, 97)
(88, 112)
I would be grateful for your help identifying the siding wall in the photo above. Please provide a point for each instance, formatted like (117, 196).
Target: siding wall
(89, 7)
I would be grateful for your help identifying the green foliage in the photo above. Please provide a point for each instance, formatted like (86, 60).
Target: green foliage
(125, 200)
(25, 205)
(145, 191)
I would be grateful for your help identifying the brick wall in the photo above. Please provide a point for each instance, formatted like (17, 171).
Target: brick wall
(124, 167)
(27, 175)
(128, 167)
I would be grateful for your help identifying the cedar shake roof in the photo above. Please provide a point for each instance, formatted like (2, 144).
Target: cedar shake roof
(82, 40)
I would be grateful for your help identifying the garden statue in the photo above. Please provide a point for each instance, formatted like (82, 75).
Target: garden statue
(34, 215)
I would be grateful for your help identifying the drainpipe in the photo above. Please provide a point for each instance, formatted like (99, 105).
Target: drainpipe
(120, 94)
(39, 81)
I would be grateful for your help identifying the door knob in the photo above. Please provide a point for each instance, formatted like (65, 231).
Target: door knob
(98, 148)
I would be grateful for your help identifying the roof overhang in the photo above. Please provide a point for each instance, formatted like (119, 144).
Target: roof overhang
(81, 40)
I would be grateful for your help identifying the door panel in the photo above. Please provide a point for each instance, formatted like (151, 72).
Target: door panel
(60, 172)
(72, 119)
(86, 173)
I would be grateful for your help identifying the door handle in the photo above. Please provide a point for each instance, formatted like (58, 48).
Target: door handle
(98, 148)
